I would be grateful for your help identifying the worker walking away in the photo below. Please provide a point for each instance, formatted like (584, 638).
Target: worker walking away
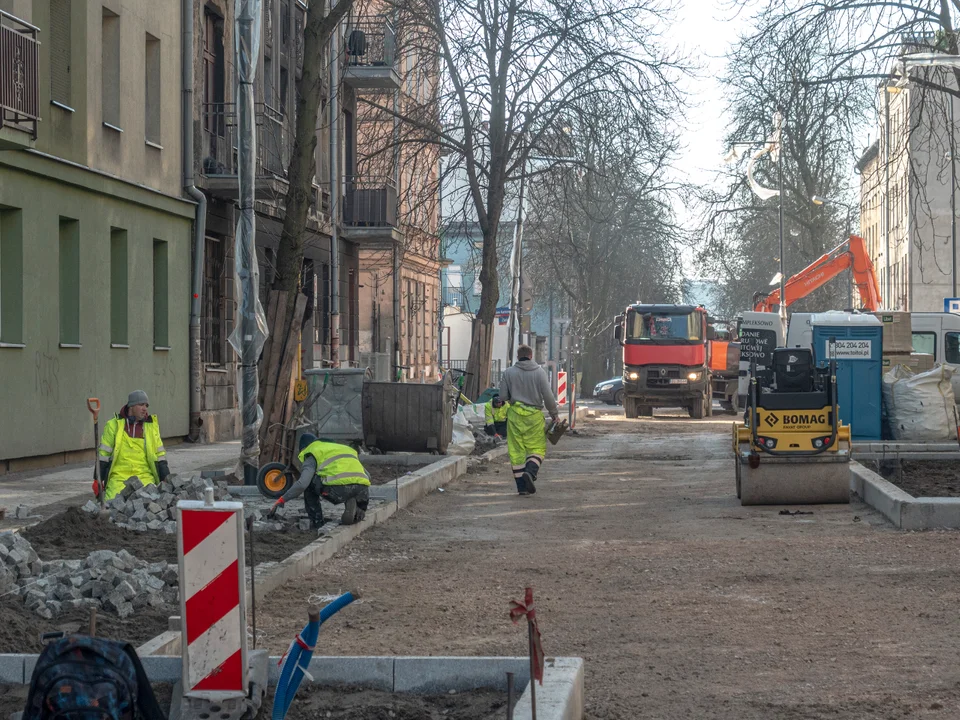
(526, 389)
(131, 447)
(495, 416)
(333, 472)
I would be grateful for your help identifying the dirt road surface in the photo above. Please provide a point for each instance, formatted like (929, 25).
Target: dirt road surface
(683, 603)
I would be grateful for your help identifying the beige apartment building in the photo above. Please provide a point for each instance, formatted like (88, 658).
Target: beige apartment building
(94, 233)
(906, 188)
(392, 192)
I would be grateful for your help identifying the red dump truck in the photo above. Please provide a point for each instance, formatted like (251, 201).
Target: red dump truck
(672, 357)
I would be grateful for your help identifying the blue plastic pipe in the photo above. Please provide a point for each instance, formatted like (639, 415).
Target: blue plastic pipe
(298, 657)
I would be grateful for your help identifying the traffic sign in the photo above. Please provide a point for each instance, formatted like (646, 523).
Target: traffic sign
(951, 305)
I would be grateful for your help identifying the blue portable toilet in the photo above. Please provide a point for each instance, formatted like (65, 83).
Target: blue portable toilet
(859, 354)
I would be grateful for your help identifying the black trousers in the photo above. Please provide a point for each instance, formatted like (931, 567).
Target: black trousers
(335, 495)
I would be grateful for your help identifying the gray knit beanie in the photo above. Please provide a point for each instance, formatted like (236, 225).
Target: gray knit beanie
(137, 397)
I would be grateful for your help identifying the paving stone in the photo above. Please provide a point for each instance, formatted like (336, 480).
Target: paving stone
(22, 512)
(100, 558)
(92, 507)
(171, 576)
(170, 527)
(154, 525)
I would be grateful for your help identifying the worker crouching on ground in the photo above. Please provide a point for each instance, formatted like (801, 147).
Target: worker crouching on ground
(131, 447)
(331, 471)
(526, 389)
(495, 416)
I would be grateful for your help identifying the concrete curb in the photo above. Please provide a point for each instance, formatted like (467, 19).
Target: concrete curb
(902, 509)
(415, 485)
(495, 454)
(271, 575)
(561, 696)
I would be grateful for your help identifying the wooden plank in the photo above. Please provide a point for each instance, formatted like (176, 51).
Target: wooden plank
(277, 332)
(278, 405)
(268, 343)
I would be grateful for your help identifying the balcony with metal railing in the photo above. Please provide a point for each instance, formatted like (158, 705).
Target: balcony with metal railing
(19, 83)
(220, 147)
(370, 54)
(370, 210)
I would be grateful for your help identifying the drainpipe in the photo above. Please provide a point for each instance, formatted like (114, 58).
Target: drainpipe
(334, 199)
(200, 220)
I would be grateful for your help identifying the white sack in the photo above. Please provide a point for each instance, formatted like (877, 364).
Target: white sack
(920, 406)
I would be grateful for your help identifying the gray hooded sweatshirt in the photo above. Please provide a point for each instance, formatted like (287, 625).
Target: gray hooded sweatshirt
(527, 382)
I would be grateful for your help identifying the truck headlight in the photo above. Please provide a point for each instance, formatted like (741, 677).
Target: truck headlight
(693, 376)
(634, 376)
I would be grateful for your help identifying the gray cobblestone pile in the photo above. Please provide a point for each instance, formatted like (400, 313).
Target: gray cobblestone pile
(116, 582)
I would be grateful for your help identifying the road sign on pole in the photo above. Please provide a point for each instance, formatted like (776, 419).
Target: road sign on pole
(951, 305)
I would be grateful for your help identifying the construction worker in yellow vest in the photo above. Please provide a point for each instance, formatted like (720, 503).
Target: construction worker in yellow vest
(131, 447)
(495, 416)
(333, 472)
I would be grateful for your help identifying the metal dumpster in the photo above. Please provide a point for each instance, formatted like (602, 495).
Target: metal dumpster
(408, 417)
(337, 413)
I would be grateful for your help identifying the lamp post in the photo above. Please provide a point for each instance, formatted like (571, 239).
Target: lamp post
(776, 144)
(934, 60)
(820, 201)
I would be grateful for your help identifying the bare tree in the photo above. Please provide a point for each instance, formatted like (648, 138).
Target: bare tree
(606, 237)
(917, 135)
(510, 70)
(321, 23)
(769, 71)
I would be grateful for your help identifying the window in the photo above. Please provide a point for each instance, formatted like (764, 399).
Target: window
(151, 90)
(214, 325)
(69, 281)
(213, 74)
(951, 348)
(119, 287)
(161, 294)
(11, 276)
(60, 52)
(110, 69)
(925, 342)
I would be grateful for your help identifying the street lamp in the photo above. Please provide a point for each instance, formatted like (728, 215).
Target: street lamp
(819, 200)
(773, 144)
(933, 60)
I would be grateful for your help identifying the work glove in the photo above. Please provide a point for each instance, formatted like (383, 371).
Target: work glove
(273, 511)
(95, 486)
(162, 470)
(489, 429)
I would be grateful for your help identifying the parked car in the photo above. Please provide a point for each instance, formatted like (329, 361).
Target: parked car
(610, 391)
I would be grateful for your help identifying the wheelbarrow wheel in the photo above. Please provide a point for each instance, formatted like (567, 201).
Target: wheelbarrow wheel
(274, 479)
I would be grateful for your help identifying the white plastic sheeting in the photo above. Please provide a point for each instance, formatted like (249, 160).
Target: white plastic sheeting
(920, 406)
(249, 335)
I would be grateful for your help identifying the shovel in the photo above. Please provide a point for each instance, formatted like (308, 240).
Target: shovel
(556, 431)
(93, 405)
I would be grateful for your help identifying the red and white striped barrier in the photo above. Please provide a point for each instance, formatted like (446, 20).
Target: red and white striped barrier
(212, 612)
(561, 387)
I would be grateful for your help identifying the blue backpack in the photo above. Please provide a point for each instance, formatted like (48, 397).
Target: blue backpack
(88, 678)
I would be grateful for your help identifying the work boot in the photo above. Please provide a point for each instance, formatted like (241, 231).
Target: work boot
(349, 516)
(529, 485)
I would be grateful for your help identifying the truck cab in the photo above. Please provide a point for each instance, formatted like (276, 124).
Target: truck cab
(665, 359)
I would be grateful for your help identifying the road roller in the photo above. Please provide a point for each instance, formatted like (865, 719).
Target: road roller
(792, 448)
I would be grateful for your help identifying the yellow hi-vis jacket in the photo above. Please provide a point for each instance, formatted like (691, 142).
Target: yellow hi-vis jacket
(129, 457)
(336, 464)
(492, 414)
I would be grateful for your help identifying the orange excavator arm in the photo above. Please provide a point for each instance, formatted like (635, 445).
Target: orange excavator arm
(850, 254)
